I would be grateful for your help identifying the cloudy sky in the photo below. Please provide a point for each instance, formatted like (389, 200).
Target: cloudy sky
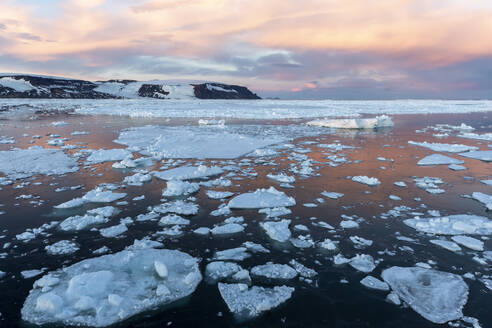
(341, 49)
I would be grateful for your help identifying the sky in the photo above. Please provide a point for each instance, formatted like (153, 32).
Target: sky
(293, 49)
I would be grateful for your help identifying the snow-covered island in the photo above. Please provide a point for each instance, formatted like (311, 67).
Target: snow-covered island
(41, 87)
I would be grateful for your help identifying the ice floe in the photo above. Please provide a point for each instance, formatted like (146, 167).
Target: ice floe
(189, 172)
(469, 242)
(63, 247)
(366, 180)
(382, 121)
(108, 155)
(178, 188)
(97, 195)
(443, 147)
(437, 296)
(262, 198)
(105, 290)
(278, 231)
(452, 225)
(274, 271)
(438, 159)
(23, 163)
(485, 199)
(483, 155)
(374, 283)
(247, 302)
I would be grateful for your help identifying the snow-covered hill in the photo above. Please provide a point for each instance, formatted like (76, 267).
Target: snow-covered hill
(38, 86)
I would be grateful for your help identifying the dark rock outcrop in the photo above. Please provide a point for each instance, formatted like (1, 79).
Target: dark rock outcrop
(222, 91)
(152, 91)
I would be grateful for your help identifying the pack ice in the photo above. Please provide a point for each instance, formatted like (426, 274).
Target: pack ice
(382, 121)
(459, 224)
(438, 159)
(22, 163)
(437, 296)
(104, 290)
(262, 198)
(192, 142)
(251, 302)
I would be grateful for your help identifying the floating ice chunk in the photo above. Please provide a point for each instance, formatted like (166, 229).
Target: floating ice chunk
(438, 159)
(374, 283)
(108, 289)
(382, 121)
(328, 244)
(275, 211)
(484, 199)
(332, 195)
(28, 274)
(363, 262)
(233, 254)
(483, 155)
(469, 242)
(63, 247)
(195, 141)
(446, 244)
(202, 231)
(255, 248)
(179, 207)
(303, 271)
(262, 198)
(77, 222)
(429, 184)
(189, 172)
(173, 219)
(360, 242)
(248, 303)
(219, 194)
(138, 179)
(487, 182)
(470, 135)
(274, 271)
(366, 180)
(456, 167)
(179, 188)
(4, 140)
(97, 195)
(281, 178)
(278, 231)
(22, 163)
(105, 211)
(349, 224)
(443, 147)
(113, 231)
(229, 228)
(219, 270)
(400, 184)
(437, 296)
(108, 155)
(452, 225)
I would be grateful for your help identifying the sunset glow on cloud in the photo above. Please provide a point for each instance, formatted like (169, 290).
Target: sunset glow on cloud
(308, 49)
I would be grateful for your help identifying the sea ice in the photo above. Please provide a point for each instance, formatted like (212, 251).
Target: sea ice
(233, 254)
(105, 290)
(278, 231)
(219, 194)
(459, 224)
(179, 188)
(108, 155)
(446, 244)
(80, 222)
(219, 270)
(354, 123)
(251, 302)
(366, 180)
(274, 271)
(438, 159)
(449, 148)
(63, 247)
(484, 199)
(483, 155)
(332, 195)
(281, 178)
(22, 163)
(261, 198)
(178, 207)
(437, 296)
(189, 172)
(229, 228)
(469, 242)
(362, 262)
(374, 283)
(97, 195)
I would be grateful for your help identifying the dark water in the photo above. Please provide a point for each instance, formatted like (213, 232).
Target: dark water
(325, 303)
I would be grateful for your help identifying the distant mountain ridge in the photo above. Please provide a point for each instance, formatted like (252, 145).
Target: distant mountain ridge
(43, 87)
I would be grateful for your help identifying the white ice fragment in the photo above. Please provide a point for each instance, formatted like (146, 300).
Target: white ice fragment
(189, 172)
(354, 123)
(63, 247)
(469, 242)
(446, 244)
(278, 231)
(274, 271)
(262, 198)
(108, 155)
(161, 269)
(366, 180)
(438, 159)
(443, 147)
(248, 303)
(228, 228)
(437, 296)
(85, 292)
(374, 283)
(452, 225)
(332, 195)
(483, 155)
(363, 262)
(179, 188)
